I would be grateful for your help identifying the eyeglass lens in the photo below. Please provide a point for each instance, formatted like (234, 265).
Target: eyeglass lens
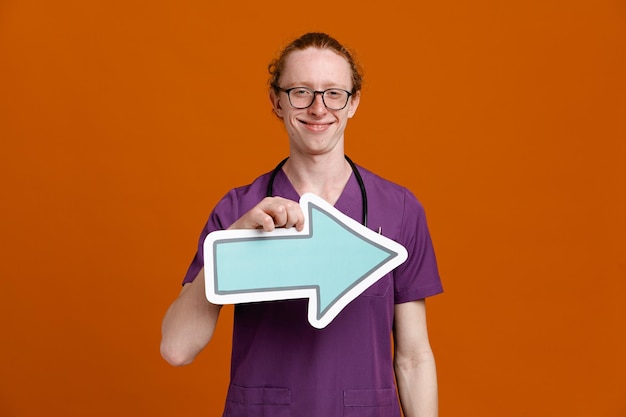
(334, 98)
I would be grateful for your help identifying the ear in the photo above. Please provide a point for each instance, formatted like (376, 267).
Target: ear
(354, 103)
(276, 104)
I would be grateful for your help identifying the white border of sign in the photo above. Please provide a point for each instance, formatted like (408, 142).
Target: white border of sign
(310, 293)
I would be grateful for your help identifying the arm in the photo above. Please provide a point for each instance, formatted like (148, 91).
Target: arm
(414, 363)
(190, 321)
(188, 324)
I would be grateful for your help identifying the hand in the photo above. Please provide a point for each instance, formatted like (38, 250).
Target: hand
(270, 213)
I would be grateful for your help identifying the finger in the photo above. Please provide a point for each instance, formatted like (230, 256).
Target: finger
(270, 213)
(286, 213)
(266, 222)
(256, 218)
(278, 212)
(277, 209)
(295, 216)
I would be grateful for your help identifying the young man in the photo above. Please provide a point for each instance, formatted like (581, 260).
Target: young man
(281, 365)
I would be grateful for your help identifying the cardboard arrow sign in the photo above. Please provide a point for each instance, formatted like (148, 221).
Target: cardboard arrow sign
(331, 262)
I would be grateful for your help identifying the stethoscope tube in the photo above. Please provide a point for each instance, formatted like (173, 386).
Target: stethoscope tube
(357, 175)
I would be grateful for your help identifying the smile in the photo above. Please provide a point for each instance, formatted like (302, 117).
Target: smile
(316, 126)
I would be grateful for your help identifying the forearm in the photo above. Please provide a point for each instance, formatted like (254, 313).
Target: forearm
(188, 324)
(417, 385)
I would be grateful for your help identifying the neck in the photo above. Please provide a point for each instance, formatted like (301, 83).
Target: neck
(325, 176)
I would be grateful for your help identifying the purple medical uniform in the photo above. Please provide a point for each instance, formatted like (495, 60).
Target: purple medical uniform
(281, 365)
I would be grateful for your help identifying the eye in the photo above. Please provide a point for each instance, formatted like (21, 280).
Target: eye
(335, 94)
(301, 92)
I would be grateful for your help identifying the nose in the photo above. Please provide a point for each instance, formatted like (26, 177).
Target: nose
(318, 106)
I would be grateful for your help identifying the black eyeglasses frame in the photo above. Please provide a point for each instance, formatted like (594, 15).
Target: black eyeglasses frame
(315, 92)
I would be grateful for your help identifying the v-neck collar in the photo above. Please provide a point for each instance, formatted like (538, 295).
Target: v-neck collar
(348, 202)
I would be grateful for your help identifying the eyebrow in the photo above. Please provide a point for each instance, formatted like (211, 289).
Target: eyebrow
(325, 85)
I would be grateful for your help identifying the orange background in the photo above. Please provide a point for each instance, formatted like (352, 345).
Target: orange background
(123, 122)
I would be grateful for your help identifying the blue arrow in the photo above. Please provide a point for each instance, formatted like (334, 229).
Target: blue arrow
(331, 262)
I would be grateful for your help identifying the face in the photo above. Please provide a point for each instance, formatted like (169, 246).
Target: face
(315, 130)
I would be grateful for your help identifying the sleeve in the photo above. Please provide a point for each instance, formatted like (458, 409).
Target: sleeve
(223, 215)
(418, 277)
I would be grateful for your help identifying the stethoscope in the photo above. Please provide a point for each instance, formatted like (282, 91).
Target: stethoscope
(357, 175)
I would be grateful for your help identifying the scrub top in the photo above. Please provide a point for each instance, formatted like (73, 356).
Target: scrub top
(282, 366)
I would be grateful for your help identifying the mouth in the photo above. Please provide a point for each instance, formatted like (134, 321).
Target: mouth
(316, 126)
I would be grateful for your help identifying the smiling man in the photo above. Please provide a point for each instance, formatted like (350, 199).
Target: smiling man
(281, 365)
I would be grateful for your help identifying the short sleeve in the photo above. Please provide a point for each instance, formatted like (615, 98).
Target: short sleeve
(223, 215)
(418, 277)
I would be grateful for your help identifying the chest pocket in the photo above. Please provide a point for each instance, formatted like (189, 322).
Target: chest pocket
(380, 287)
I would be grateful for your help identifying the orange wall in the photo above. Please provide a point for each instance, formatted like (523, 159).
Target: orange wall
(123, 122)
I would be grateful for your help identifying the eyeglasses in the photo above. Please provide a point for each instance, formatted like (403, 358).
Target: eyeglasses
(303, 97)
